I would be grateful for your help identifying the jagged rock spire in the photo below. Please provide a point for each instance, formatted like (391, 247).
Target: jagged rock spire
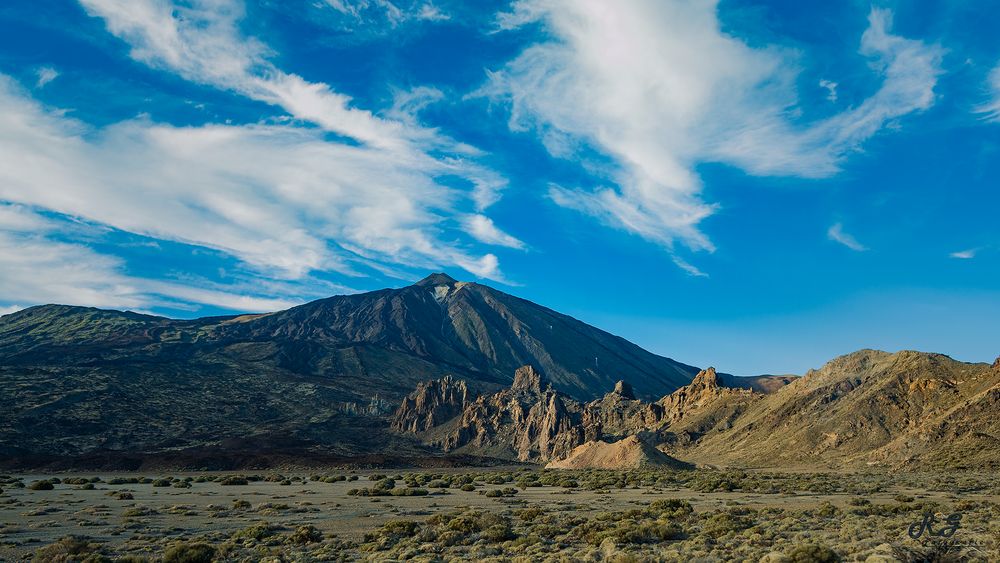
(624, 390)
(527, 378)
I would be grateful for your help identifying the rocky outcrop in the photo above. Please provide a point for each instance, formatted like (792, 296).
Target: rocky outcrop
(532, 422)
(619, 414)
(907, 409)
(432, 404)
(628, 453)
(528, 422)
(702, 396)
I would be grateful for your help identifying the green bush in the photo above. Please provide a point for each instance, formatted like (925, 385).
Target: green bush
(256, 532)
(234, 480)
(305, 534)
(189, 553)
(723, 523)
(402, 528)
(41, 486)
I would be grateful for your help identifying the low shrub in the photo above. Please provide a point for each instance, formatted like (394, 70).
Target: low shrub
(189, 553)
(305, 534)
(69, 548)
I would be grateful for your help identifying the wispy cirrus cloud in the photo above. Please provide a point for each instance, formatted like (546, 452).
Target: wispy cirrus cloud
(965, 254)
(658, 87)
(36, 267)
(484, 230)
(991, 109)
(45, 75)
(283, 197)
(836, 233)
(391, 13)
(201, 42)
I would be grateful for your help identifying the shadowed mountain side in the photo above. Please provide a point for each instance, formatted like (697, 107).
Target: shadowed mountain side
(80, 380)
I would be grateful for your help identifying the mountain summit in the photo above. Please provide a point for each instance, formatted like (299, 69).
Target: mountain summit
(436, 279)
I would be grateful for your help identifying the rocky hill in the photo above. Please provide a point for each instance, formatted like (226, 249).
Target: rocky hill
(321, 377)
(628, 453)
(908, 409)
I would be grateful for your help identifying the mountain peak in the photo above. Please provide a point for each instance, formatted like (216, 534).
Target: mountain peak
(436, 279)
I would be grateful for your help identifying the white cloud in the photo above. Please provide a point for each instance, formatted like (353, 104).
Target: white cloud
(430, 12)
(836, 233)
(482, 229)
(831, 89)
(45, 75)
(36, 268)
(201, 41)
(965, 254)
(282, 199)
(991, 109)
(393, 13)
(657, 88)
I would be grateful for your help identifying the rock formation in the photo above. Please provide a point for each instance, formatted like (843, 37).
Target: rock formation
(528, 422)
(907, 409)
(433, 403)
(532, 422)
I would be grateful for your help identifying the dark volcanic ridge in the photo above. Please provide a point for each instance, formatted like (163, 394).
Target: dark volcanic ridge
(324, 375)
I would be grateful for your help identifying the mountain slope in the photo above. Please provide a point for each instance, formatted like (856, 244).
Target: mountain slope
(82, 381)
(867, 408)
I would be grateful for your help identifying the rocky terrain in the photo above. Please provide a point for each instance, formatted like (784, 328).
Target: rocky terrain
(317, 381)
(870, 408)
(532, 422)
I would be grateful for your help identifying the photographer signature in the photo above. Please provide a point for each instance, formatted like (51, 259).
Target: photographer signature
(926, 527)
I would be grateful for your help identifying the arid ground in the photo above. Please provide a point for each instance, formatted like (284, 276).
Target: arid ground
(499, 514)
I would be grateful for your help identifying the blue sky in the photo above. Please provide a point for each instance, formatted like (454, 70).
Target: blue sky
(758, 186)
